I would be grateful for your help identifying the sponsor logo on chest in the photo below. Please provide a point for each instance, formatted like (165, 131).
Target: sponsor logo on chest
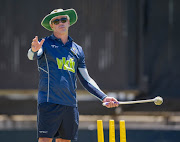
(64, 64)
(54, 46)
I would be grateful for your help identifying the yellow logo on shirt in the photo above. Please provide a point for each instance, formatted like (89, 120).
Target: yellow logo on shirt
(66, 64)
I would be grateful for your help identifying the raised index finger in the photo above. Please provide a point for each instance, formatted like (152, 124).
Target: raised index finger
(36, 38)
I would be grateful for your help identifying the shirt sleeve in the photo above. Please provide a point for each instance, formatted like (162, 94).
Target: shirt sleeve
(81, 62)
(90, 84)
(31, 55)
(34, 55)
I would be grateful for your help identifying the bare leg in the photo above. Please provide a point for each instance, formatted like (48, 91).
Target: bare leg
(45, 140)
(62, 140)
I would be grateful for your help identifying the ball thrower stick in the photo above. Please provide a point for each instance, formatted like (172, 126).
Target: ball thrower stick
(157, 101)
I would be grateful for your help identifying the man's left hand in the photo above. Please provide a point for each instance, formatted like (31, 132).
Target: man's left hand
(112, 102)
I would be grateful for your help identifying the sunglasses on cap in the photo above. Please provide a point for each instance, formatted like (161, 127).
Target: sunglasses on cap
(57, 21)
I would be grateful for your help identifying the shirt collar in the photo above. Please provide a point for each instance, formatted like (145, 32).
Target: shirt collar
(55, 38)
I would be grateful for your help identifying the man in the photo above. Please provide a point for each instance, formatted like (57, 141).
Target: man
(60, 59)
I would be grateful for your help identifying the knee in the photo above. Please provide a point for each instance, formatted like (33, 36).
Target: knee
(62, 140)
(45, 140)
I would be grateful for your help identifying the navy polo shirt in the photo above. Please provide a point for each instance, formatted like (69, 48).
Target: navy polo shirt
(57, 68)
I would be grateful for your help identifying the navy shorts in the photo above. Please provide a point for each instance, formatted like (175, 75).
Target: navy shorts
(57, 121)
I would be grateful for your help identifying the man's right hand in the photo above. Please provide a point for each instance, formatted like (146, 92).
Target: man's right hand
(36, 45)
